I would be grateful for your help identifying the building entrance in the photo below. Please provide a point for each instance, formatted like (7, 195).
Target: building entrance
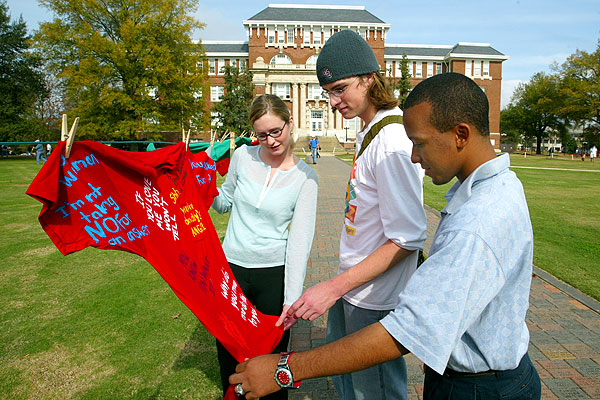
(316, 123)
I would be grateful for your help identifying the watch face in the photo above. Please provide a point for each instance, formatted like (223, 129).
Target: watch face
(283, 377)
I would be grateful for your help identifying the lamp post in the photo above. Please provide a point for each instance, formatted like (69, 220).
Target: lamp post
(346, 128)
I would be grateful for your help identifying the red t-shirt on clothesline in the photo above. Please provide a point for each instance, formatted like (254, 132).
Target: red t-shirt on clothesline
(154, 204)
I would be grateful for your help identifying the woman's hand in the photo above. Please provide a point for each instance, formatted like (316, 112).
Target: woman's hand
(285, 319)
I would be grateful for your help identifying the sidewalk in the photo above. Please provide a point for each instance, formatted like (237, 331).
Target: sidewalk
(564, 328)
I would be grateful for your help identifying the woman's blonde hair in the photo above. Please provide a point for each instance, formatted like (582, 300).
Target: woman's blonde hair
(269, 103)
(380, 93)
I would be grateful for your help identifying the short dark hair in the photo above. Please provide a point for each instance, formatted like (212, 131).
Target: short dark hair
(454, 98)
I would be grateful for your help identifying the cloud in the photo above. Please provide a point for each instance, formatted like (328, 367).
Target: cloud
(508, 87)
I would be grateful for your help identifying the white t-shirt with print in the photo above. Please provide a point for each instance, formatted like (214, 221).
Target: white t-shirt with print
(384, 201)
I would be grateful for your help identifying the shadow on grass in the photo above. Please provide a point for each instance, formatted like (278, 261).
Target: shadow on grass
(200, 352)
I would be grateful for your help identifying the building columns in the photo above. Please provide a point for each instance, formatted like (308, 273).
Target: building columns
(338, 121)
(295, 106)
(304, 123)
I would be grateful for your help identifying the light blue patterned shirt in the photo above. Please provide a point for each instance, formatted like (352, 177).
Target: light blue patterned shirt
(465, 307)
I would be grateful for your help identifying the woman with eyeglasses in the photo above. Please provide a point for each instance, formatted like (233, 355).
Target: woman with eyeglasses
(272, 198)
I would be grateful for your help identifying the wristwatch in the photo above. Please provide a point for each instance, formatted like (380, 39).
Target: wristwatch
(283, 374)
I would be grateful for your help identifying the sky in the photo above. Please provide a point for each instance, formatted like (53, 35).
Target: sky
(533, 33)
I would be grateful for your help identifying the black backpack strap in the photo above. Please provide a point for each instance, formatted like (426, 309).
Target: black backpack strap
(390, 119)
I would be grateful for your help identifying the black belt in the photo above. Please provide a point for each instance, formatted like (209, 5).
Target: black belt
(450, 373)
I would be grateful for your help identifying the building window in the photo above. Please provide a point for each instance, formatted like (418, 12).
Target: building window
(429, 69)
(352, 124)
(389, 68)
(306, 36)
(270, 35)
(216, 93)
(281, 59)
(282, 90)
(438, 68)
(281, 36)
(315, 92)
(312, 60)
(317, 37)
(468, 68)
(326, 35)
(290, 36)
(397, 70)
(211, 66)
(476, 68)
(486, 68)
(242, 65)
(419, 69)
(221, 66)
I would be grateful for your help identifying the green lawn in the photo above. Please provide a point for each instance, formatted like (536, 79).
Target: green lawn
(565, 214)
(92, 325)
(103, 324)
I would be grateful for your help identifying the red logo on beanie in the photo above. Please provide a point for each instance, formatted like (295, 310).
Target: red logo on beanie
(327, 73)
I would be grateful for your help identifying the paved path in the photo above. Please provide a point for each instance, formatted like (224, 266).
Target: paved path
(565, 329)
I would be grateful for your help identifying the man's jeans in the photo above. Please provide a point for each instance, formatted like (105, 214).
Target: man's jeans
(313, 152)
(522, 382)
(381, 382)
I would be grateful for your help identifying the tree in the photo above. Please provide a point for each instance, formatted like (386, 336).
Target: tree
(510, 125)
(126, 66)
(580, 83)
(401, 86)
(535, 110)
(233, 108)
(21, 82)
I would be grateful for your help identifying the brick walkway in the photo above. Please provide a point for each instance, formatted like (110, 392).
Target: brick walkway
(564, 324)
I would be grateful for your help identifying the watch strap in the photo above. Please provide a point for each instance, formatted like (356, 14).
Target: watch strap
(283, 363)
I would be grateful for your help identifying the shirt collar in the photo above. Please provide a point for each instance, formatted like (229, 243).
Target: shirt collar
(460, 192)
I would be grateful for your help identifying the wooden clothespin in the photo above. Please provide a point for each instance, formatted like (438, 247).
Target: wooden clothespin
(187, 139)
(225, 136)
(70, 136)
(232, 143)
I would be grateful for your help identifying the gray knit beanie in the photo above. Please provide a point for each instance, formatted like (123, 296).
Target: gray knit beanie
(345, 54)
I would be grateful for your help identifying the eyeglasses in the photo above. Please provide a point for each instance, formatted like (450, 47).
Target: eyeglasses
(337, 92)
(275, 133)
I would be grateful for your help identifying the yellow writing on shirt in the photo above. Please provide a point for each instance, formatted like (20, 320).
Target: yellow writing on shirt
(350, 230)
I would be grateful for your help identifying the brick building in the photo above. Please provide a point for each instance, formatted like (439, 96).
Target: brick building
(284, 40)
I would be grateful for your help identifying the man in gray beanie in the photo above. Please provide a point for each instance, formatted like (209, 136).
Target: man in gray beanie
(384, 226)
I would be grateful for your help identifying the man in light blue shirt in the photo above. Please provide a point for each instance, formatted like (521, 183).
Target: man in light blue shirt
(463, 311)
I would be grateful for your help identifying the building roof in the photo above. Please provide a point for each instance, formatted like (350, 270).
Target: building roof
(475, 49)
(314, 13)
(459, 50)
(413, 51)
(225, 47)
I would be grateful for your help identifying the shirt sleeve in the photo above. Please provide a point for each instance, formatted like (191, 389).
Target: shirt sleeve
(444, 297)
(400, 192)
(302, 229)
(222, 203)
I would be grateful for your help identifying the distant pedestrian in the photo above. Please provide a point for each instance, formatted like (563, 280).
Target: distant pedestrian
(39, 152)
(48, 149)
(314, 148)
(593, 153)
